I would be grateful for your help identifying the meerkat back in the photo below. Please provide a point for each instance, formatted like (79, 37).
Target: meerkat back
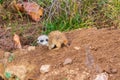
(57, 38)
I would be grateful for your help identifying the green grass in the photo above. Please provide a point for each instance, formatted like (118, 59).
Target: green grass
(65, 15)
(1, 1)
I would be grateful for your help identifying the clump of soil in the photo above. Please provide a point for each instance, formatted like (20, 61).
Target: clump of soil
(104, 45)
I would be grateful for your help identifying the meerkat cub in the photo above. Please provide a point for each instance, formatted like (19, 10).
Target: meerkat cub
(56, 40)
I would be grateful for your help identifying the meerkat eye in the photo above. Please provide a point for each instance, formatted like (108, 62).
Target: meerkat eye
(46, 39)
(41, 40)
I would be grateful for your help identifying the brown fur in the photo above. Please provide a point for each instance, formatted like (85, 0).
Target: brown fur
(57, 38)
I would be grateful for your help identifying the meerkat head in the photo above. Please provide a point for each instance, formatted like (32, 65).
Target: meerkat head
(43, 40)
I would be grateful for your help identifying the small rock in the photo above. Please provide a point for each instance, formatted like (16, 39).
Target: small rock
(77, 48)
(113, 71)
(45, 68)
(31, 48)
(102, 76)
(67, 61)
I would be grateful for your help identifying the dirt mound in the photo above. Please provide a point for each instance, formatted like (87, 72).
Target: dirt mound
(104, 45)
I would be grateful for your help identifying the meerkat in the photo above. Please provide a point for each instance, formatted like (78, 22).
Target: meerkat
(43, 40)
(56, 40)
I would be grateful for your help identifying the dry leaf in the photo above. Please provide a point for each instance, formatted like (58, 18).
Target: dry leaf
(16, 39)
(33, 10)
(36, 15)
(19, 7)
(30, 8)
(16, 6)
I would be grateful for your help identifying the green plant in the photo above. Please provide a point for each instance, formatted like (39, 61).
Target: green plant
(1, 1)
(105, 13)
(65, 15)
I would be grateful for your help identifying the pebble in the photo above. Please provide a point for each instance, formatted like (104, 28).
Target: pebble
(67, 61)
(77, 48)
(101, 76)
(31, 48)
(45, 68)
(113, 71)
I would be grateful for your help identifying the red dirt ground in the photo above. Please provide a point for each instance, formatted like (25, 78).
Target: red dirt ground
(104, 45)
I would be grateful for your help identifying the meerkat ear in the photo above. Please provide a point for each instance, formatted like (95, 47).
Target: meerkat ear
(67, 43)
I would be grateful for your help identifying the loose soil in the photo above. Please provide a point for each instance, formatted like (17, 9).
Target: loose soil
(103, 44)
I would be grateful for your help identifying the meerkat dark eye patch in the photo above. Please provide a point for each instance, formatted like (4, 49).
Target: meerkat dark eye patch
(46, 39)
(41, 40)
